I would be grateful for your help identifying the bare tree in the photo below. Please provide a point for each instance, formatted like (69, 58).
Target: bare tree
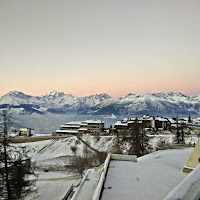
(80, 164)
(74, 149)
(14, 164)
(90, 158)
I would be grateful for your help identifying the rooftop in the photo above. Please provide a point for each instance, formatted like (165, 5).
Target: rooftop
(152, 176)
(66, 131)
(73, 123)
(95, 121)
(70, 126)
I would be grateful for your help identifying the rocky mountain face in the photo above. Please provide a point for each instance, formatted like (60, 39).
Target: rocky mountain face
(103, 104)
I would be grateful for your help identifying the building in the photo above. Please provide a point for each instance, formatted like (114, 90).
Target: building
(69, 128)
(160, 123)
(26, 131)
(195, 124)
(147, 122)
(80, 127)
(94, 126)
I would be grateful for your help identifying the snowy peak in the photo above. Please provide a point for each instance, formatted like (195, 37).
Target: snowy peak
(93, 100)
(14, 98)
(100, 97)
(54, 94)
(17, 94)
(103, 104)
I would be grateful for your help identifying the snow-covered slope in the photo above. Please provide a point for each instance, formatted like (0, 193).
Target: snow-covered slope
(103, 104)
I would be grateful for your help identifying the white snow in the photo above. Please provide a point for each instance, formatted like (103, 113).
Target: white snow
(87, 186)
(183, 188)
(66, 131)
(52, 185)
(55, 153)
(94, 121)
(121, 123)
(152, 177)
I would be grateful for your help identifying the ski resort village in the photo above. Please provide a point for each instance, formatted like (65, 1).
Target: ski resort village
(144, 157)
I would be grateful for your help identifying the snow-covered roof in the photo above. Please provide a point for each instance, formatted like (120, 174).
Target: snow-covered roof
(87, 186)
(158, 173)
(150, 118)
(188, 188)
(82, 129)
(94, 121)
(23, 129)
(66, 131)
(197, 119)
(69, 126)
(171, 120)
(161, 119)
(152, 177)
(184, 118)
(83, 123)
(120, 123)
(73, 123)
(130, 122)
(133, 118)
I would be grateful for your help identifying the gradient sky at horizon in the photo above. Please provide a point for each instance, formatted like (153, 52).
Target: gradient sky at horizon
(108, 46)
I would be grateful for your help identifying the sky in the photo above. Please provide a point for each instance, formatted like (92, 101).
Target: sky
(92, 47)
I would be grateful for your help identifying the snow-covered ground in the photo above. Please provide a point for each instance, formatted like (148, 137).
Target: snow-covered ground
(55, 154)
(156, 140)
(52, 185)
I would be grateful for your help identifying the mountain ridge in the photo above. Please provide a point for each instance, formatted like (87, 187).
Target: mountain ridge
(102, 104)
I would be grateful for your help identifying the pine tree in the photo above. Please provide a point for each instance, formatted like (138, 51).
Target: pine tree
(189, 119)
(139, 139)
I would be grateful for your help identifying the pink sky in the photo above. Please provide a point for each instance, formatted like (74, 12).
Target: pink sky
(100, 47)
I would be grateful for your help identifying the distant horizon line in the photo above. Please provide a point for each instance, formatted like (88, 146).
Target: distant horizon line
(55, 91)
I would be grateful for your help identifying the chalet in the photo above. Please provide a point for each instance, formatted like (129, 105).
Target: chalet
(26, 131)
(159, 123)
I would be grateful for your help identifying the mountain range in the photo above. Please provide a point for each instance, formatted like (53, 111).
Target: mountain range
(102, 104)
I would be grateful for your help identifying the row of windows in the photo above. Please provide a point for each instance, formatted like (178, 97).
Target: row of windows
(194, 125)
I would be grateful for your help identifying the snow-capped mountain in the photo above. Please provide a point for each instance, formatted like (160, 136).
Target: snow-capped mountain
(53, 102)
(154, 104)
(103, 104)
